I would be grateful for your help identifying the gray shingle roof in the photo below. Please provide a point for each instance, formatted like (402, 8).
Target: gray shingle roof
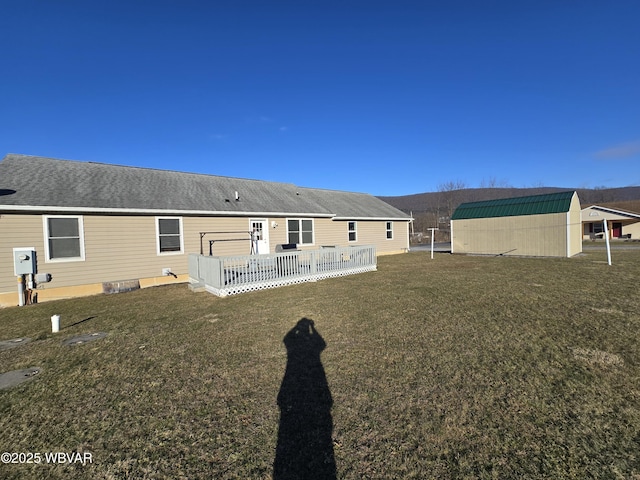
(47, 184)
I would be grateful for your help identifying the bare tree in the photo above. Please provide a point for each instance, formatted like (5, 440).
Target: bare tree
(601, 194)
(493, 182)
(450, 196)
(448, 200)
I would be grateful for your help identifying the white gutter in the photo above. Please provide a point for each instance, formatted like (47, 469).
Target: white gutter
(388, 219)
(154, 211)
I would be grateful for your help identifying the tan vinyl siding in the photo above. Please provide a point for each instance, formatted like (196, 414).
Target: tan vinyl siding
(116, 248)
(278, 235)
(18, 231)
(375, 233)
(633, 230)
(119, 247)
(194, 225)
(369, 232)
(327, 232)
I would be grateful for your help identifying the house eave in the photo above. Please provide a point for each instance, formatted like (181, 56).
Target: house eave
(613, 211)
(154, 211)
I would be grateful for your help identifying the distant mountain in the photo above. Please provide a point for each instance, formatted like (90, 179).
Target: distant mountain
(446, 201)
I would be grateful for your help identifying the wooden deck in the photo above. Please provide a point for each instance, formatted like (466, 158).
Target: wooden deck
(230, 275)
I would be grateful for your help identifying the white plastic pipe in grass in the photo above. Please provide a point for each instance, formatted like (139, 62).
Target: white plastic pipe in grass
(55, 323)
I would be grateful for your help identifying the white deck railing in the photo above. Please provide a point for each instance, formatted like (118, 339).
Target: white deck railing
(230, 275)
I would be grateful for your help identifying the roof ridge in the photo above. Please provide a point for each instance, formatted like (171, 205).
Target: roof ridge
(148, 169)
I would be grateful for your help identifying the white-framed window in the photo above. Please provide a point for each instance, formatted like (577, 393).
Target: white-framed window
(389, 230)
(300, 231)
(64, 238)
(353, 233)
(169, 235)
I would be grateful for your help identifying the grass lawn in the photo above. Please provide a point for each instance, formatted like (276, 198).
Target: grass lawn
(457, 367)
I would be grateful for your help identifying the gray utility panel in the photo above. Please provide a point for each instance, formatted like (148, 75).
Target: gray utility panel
(24, 261)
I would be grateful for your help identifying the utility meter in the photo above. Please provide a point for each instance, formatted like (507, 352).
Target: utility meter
(24, 261)
(43, 277)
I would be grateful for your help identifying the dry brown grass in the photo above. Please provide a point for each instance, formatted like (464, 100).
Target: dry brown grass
(460, 367)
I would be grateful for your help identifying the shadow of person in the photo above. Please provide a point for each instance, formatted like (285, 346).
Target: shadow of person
(305, 445)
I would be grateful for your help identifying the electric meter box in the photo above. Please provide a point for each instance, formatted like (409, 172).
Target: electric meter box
(24, 261)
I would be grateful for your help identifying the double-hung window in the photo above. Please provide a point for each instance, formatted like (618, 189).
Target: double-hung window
(389, 230)
(353, 234)
(300, 231)
(169, 230)
(64, 238)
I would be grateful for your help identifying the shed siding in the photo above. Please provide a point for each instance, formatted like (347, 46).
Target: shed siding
(546, 234)
(539, 235)
(575, 227)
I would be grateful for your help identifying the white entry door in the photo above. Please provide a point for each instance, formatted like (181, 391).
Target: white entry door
(259, 235)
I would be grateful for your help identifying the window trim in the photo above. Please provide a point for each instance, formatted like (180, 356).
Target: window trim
(47, 251)
(181, 251)
(313, 230)
(389, 230)
(354, 231)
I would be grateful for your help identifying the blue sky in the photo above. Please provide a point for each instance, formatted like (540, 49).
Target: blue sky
(388, 98)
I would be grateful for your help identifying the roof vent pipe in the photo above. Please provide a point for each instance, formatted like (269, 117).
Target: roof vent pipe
(237, 196)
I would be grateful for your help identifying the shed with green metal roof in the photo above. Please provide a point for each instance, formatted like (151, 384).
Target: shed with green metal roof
(537, 225)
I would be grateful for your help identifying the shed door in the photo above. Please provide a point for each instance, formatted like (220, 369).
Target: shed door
(260, 235)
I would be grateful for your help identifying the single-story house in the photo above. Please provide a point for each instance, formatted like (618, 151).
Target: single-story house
(92, 225)
(620, 223)
(537, 225)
